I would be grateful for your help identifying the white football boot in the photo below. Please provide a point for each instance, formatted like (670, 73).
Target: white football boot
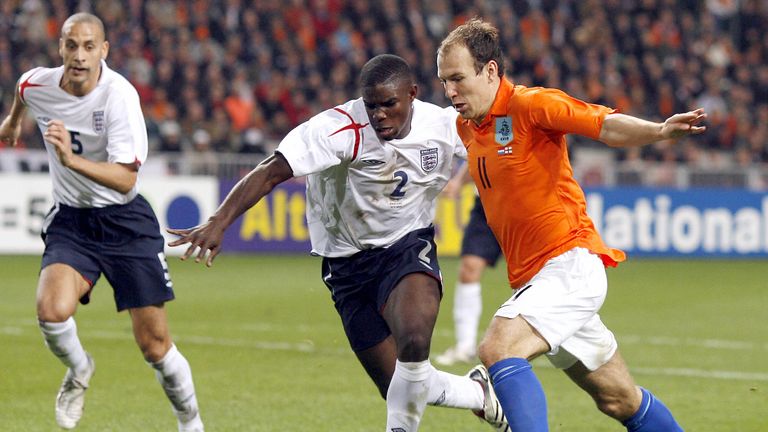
(71, 397)
(491, 412)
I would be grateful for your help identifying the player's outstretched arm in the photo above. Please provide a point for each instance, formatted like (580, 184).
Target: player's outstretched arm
(247, 192)
(621, 130)
(10, 128)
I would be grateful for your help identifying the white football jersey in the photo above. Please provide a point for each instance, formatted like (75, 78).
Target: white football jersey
(106, 125)
(363, 192)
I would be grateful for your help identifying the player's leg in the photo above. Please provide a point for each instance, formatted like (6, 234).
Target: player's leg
(69, 269)
(59, 289)
(371, 339)
(507, 347)
(446, 390)
(411, 312)
(150, 329)
(467, 308)
(379, 362)
(479, 249)
(616, 395)
(409, 300)
(138, 272)
(539, 317)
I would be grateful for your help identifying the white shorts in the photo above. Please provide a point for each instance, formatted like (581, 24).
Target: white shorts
(561, 303)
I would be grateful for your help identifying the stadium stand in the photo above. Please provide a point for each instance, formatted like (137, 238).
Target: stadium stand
(222, 81)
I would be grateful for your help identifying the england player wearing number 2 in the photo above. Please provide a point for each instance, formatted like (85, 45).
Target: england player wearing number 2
(96, 139)
(374, 168)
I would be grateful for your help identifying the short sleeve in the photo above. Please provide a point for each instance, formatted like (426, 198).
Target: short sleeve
(553, 109)
(313, 146)
(127, 132)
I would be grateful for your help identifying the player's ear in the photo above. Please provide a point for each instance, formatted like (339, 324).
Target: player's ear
(493, 69)
(61, 47)
(414, 91)
(104, 50)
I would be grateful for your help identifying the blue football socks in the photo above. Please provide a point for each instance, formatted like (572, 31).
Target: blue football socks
(520, 394)
(652, 416)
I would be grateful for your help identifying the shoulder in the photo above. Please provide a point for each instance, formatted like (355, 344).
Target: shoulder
(540, 95)
(38, 84)
(426, 113)
(347, 117)
(40, 73)
(116, 84)
(538, 99)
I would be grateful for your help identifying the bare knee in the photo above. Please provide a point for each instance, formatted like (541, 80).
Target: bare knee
(510, 338)
(471, 269)
(619, 405)
(488, 353)
(154, 347)
(58, 291)
(54, 309)
(413, 346)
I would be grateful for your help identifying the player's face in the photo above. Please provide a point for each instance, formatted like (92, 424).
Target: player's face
(82, 47)
(389, 107)
(471, 93)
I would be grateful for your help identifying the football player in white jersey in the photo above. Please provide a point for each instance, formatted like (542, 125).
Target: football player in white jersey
(374, 168)
(94, 131)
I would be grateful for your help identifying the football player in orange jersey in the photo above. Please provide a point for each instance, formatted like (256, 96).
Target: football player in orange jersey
(517, 155)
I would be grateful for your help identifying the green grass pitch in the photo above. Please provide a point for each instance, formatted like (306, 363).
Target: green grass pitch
(268, 352)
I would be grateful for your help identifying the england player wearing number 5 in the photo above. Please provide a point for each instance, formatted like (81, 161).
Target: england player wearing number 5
(96, 139)
(374, 168)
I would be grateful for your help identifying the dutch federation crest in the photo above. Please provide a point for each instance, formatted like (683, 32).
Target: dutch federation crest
(503, 130)
(429, 159)
(98, 122)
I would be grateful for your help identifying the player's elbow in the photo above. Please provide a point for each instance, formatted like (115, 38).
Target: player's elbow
(124, 189)
(126, 185)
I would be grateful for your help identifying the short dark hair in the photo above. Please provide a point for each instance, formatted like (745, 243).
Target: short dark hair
(84, 17)
(385, 68)
(480, 38)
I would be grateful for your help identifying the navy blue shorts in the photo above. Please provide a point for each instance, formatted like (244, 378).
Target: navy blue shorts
(478, 238)
(360, 285)
(121, 241)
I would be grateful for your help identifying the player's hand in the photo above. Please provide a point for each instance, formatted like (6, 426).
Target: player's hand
(9, 133)
(683, 124)
(58, 136)
(205, 239)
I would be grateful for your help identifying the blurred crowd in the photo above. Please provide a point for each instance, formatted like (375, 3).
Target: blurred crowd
(235, 75)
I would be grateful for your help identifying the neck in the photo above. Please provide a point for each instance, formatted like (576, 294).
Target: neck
(407, 129)
(490, 99)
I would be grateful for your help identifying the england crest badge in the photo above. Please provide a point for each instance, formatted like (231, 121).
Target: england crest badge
(429, 159)
(98, 122)
(503, 130)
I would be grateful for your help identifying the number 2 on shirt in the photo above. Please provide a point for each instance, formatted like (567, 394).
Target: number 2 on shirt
(399, 192)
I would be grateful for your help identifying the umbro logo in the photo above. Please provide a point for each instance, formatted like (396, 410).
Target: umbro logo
(371, 162)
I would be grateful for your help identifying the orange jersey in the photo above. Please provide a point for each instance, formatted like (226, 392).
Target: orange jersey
(519, 160)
